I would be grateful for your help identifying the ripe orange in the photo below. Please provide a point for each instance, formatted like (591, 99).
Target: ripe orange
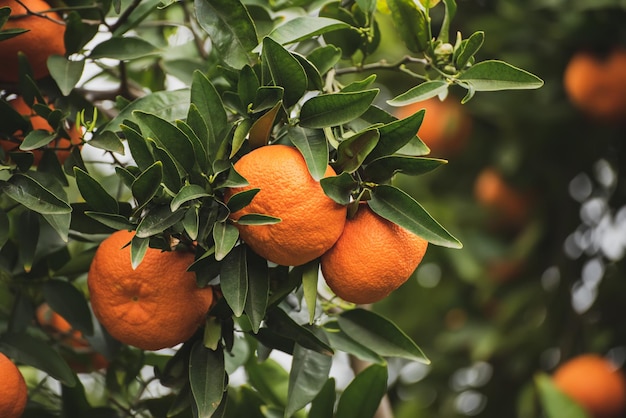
(38, 122)
(44, 38)
(311, 222)
(155, 306)
(76, 350)
(595, 383)
(510, 205)
(372, 258)
(13, 390)
(597, 85)
(446, 126)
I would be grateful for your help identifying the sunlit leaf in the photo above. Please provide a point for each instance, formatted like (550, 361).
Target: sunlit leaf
(363, 395)
(412, 24)
(313, 147)
(225, 236)
(421, 92)
(286, 71)
(496, 75)
(335, 108)
(383, 169)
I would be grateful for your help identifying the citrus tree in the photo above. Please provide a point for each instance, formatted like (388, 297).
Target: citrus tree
(242, 147)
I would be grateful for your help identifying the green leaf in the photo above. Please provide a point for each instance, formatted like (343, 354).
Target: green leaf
(28, 226)
(282, 324)
(37, 139)
(207, 375)
(556, 404)
(421, 92)
(324, 58)
(384, 168)
(270, 379)
(340, 341)
(239, 136)
(359, 85)
(169, 137)
(171, 173)
(267, 97)
(187, 193)
(234, 279)
(314, 79)
(362, 396)
(69, 302)
(169, 105)
(310, 275)
(304, 27)
(335, 108)
(349, 39)
(191, 222)
(247, 85)
(241, 199)
(412, 24)
(231, 30)
(261, 130)
(286, 71)
(257, 219)
(32, 194)
(210, 107)
(448, 17)
(138, 248)
(258, 289)
(94, 194)
(65, 72)
(339, 188)
(4, 228)
(108, 141)
(122, 48)
(158, 220)
(74, 401)
(469, 47)
(352, 151)
(225, 236)
(139, 147)
(323, 405)
(147, 183)
(313, 147)
(400, 208)
(11, 33)
(309, 372)
(113, 221)
(496, 75)
(29, 350)
(395, 135)
(380, 335)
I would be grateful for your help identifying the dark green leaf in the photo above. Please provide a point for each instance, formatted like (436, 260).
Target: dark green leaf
(313, 146)
(304, 27)
(37, 139)
(234, 279)
(158, 220)
(496, 75)
(468, 49)
(281, 323)
(60, 223)
(32, 194)
(28, 226)
(187, 193)
(314, 79)
(4, 228)
(380, 335)
(66, 73)
(363, 395)
(139, 148)
(323, 405)
(412, 24)
(257, 219)
(120, 48)
(421, 92)
(335, 108)
(198, 144)
(29, 350)
(359, 85)
(108, 141)
(348, 40)
(74, 401)
(147, 183)
(286, 71)
(258, 289)
(556, 404)
(231, 29)
(113, 221)
(171, 173)
(324, 58)
(352, 151)
(398, 207)
(11, 33)
(191, 222)
(69, 302)
(209, 103)
(339, 188)
(383, 169)
(242, 199)
(240, 135)
(397, 134)
(247, 85)
(207, 376)
(309, 373)
(340, 341)
(267, 97)
(225, 236)
(94, 194)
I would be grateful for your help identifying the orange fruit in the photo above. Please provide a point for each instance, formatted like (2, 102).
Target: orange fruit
(371, 258)
(38, 122)
(597, 85)
(44, 38)
(155, 306)
(76, 350)
(13, 390)
(595, 383)
(310, 223)
(510, 205)
(446, 126)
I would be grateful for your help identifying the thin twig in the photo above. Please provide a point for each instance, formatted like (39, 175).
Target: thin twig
(124, 16)
(198, 41)
(382, 65)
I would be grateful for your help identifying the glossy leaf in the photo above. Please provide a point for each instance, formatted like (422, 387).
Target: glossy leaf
(348, 40)
(241, 199)
(412, 24)
(69, 302)
(122, 48)
(261, 129)
(352, 151)
(158, 220)
(94, 194)
(384, 168)
(207, 375)
(187, 193)
(65, 72)
(304, 27)
(258, 289)
(314, 78)
(313, 147)
(32, 194)
(111, 220)
(37, 139)
(281, 323)
(199, 147)
(399, 207)
(444, 31)
(469, 47)
(234, 279)
(324, 58)
(363, 395)
(257, 219)
(138, 248)
(339, 340)
(4, 228)
(397, 134)
(323, 405)
(108, 141)
(335, 108)
(270, 379)
(209, 104)
(421, 92)
(225, 236)
(231, 29)
(28, 226)
(556, 404)
(339, 188)
(380, 335)
(247, 85)
(309, 372)
(286, 71)
(146, 185)
(139, 147)
(496, 75)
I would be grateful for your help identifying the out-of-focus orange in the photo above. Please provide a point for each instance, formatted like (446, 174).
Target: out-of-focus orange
(510, 206)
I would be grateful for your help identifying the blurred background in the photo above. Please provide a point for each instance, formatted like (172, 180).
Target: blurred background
(535, 188)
